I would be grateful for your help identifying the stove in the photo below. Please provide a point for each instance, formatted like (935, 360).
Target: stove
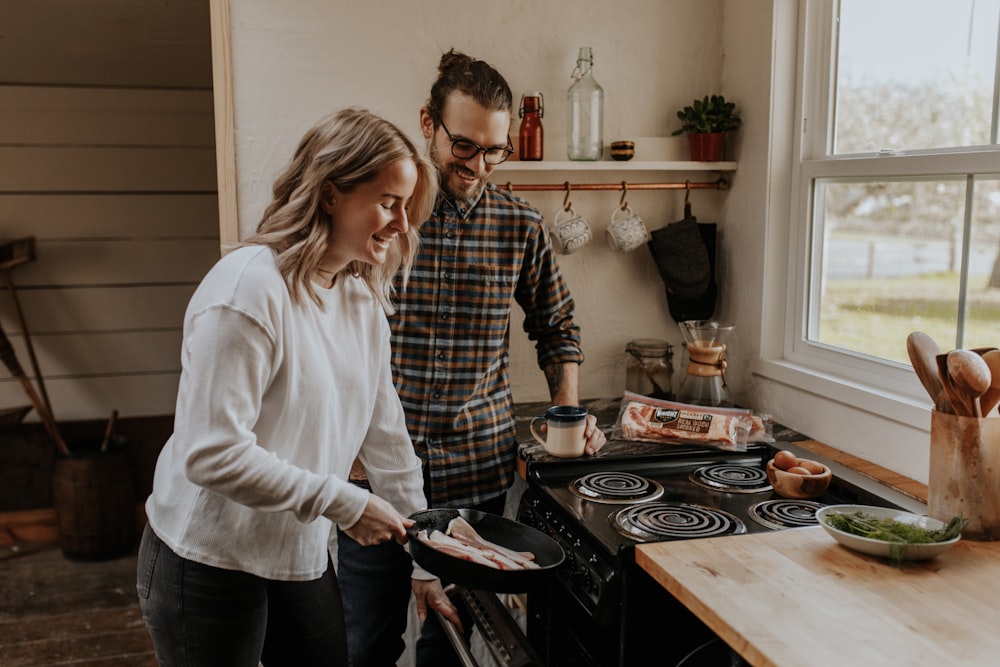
(601, 609)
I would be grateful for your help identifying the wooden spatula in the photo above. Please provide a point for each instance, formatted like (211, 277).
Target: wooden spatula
(923, 353)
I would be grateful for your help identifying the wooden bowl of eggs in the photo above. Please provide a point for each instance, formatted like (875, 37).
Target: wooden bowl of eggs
(793, 477)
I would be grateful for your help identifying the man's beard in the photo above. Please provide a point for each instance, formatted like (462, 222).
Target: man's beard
(446, 171)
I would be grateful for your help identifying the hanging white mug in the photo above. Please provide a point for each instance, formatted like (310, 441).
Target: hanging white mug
(570, 232)
(627, 231)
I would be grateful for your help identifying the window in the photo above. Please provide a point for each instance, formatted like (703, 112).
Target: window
(896, 195)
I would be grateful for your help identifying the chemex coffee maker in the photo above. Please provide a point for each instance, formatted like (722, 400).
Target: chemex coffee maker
(705, 344)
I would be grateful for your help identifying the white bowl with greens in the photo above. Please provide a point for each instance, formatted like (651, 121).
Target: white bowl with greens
(889, 533)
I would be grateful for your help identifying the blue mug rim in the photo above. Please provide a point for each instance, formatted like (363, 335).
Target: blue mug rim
(565, 413)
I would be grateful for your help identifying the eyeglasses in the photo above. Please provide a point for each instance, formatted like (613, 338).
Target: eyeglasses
(464, 149)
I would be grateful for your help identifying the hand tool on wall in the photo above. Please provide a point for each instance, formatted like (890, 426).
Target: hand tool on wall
(13, 365)
(15, 253)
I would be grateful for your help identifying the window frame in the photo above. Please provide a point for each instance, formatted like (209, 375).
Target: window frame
(884, 388)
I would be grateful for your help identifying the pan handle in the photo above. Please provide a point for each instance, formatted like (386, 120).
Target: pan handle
(454, 636)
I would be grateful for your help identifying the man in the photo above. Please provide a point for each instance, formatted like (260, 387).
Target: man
(481, 250)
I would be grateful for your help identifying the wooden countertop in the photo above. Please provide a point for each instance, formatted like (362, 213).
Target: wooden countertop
(797, 597)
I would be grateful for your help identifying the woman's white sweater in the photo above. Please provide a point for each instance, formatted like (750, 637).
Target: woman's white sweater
(276, 400)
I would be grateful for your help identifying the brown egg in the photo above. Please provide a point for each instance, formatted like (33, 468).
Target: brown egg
(812, 467)
(785, 459)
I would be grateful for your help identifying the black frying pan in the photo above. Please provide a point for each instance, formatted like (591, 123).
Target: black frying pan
(517, 536)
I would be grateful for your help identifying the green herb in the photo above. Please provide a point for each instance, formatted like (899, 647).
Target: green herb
(897, 532)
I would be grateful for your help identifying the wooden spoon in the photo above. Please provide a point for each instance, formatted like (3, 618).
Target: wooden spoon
(955, 398)
(923, 353)
(971, 377)
(991, 396)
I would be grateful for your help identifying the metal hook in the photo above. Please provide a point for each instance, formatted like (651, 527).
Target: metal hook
(623, 203)
(567, 204)
(509, 187)
(687, 191)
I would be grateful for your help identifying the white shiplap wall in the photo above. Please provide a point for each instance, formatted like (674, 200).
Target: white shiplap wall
(107, 159)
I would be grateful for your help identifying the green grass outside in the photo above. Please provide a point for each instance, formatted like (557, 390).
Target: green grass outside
(875, 316)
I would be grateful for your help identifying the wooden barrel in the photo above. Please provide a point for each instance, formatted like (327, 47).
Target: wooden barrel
(93, 499)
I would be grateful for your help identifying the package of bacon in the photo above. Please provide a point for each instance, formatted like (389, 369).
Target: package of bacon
(668, 422)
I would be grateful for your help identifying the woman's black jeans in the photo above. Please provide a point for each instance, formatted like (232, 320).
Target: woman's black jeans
(203, 616)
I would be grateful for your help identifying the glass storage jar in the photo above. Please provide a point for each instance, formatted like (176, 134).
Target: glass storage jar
(649, 368)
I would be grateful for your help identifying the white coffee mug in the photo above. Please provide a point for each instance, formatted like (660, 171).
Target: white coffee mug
(565, 428)
(627, 231)
(570, 232)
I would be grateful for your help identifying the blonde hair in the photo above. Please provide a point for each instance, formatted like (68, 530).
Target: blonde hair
(347, 148)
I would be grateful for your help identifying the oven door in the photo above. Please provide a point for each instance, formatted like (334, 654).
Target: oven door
(500, 632)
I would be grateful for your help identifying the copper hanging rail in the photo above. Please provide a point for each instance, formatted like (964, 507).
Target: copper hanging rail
(718, 184)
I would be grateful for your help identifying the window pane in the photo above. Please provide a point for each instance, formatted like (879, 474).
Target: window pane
(983, 308)
(914, 74)
(891, 260)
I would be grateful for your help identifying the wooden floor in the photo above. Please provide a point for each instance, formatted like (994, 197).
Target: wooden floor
(54, 611)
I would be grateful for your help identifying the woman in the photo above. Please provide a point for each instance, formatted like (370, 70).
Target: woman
(285, 380)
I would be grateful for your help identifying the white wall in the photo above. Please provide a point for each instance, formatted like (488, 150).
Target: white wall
(294, 62)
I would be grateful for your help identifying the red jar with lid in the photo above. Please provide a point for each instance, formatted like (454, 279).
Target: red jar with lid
(531, 136)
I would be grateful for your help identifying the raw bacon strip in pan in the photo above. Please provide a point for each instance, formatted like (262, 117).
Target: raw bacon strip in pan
(462, 530)
(487, 553)
(444, 544)
(475, 554)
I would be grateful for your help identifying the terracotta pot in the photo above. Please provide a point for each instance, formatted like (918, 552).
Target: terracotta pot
(708, 147)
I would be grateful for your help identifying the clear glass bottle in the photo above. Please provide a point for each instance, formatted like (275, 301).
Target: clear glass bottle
(649, 368)
(586, 111)
(531, 137)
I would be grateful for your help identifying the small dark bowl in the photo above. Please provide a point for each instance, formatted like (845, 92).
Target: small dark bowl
(622, 151)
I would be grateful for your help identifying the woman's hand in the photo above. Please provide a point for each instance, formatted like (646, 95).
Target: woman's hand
(379, 523)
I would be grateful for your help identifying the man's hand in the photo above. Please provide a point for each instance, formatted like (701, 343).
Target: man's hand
(595, 437)
(430, 595)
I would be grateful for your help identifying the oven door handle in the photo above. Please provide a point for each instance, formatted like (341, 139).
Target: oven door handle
(454, 636)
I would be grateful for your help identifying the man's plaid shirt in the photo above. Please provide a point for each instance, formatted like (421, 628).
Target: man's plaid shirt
(450, 338)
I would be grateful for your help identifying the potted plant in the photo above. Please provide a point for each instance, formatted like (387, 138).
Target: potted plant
(706, 122)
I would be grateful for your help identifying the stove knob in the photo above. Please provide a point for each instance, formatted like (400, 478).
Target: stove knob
(581, 579)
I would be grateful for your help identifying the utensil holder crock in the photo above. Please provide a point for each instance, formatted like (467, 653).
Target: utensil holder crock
(964, 474)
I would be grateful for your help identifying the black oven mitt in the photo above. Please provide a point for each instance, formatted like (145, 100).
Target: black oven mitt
(684, 252)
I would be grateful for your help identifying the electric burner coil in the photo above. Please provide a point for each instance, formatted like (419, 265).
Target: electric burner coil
(616, 487)
(785, 513)
(661, 521)
(731, 478)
